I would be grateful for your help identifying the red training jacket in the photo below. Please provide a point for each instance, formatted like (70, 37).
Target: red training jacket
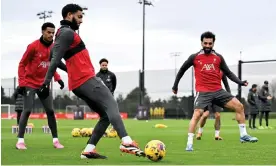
(34, 65)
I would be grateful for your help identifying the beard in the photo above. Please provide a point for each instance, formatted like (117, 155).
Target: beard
(207, 50)
(74, 25)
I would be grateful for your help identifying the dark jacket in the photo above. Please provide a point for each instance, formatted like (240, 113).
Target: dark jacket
(109, 79)
(19, 102)
(263, 94)
(253, 101)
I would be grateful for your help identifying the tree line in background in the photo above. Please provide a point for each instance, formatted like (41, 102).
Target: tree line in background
(174, 106)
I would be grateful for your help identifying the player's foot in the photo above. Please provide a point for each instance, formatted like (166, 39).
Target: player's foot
(189, 147)
(248, 138)
(198, 136)
(92, 155)
(21, 146)
(132, 149)
(260, 127)
(58, 145)
(218, 138)
(269, 127)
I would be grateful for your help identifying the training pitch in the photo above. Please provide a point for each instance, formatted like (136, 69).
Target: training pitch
(206, 151)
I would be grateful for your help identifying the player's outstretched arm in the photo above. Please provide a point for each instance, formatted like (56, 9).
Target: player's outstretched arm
(27, 57)
(186, 65)
(226, 84)
(64, 39)
(61, 65)
(224, 67)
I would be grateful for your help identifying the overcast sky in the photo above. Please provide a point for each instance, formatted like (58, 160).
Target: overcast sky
(113, 29)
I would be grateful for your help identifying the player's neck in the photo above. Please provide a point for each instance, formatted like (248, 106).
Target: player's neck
(45, 42)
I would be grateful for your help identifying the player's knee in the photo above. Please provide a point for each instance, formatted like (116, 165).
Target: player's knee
(239, 107)
(50, 113)
(197, 114)
(27, 110)
(104, 118)
(217, 115)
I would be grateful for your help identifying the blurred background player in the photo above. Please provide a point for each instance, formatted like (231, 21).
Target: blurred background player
(207, 67)
(108, 77)
(83, 82)
(18, 104)
(265, 98)
(253, 101)
(31, 73)
(216, 110)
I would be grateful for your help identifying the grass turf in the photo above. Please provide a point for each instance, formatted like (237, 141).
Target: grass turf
(206, 151)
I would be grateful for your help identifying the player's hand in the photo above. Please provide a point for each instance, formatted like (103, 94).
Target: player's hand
(44, 91)
(245, 83)
(174, 90)
(269, 97)
(21, 90)
(61, 83)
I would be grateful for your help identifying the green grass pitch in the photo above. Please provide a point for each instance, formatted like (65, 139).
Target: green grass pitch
(206, 151)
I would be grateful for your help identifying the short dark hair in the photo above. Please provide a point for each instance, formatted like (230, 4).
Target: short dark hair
(254, 86)
(70, 8)
(208, 35)
(266, 82)
(47, 25)
(103, 60)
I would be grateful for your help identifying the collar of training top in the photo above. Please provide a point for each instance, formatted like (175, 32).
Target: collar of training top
(66, 23)
(47, 44)
(103, 71)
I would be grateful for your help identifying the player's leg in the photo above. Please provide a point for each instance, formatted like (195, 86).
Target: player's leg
(250, 117)
(254, 116)
(18, 115)
(202, 123)
(95, 90)
(217, 126)
(28, 105)
(261, 120)
(266, 119)
(98, 131)
(202, 100)
(225, 99)
(49, 109)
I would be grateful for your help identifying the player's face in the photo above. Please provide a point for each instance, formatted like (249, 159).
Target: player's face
(78, 17)
(104, 66)
(207, 45)
(48, 34)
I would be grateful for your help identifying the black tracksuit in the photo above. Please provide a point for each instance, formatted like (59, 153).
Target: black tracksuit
(109, 79)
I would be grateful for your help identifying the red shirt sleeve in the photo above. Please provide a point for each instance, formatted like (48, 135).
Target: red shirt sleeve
(57, 77)
(23, 63)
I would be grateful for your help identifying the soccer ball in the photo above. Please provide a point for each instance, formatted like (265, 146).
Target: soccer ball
(89, 131)
(112, 133)
(155, 150)
(76, 132)
(84, 132)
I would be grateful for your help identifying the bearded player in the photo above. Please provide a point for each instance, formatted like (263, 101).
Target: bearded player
(84, 83)
(31, 72)
(207, 66)
(216, 110)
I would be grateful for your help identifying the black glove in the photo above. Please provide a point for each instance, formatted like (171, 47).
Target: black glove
(21, 90)
(174, 89)
(61, 83)
(244, 83)
(44, 91)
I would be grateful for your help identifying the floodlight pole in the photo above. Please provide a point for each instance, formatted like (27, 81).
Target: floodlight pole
(142, 88)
